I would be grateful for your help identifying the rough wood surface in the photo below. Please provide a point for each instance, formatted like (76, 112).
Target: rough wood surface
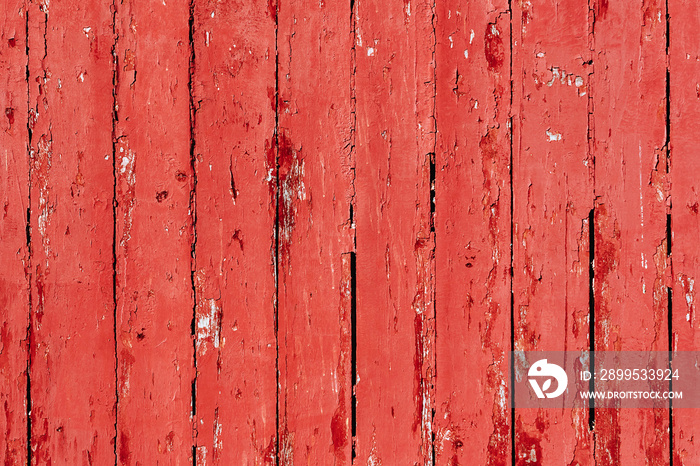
(394, 86)
(684, 117)
(315, 231)
(553, 176)
(630, 282)
(154, 233)
(234, 277)
(303, 232)
(15, 268)
(473, 234)
(72, 304)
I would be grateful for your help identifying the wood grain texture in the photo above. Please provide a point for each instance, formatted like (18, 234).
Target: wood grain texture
(684, 117)
(233, 87)
(472, 227)
(552, 197)
(72, 321)
(629, 110)
(304, 232)
(315, 231)
(395, 92)
(14, 252)
(154, 233)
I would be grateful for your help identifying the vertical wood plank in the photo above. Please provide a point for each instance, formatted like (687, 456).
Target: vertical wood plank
(685, 166)
(630, 314)
(315, 231)
(234, 92)
(72, 345)
(154, 236)
(14, 253)
(395, 92)
(552, 198)
(473, 233)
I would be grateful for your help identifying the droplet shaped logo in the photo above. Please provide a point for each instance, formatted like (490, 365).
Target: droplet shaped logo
(545, 372)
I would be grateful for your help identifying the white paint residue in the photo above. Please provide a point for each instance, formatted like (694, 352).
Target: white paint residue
(578, 81)
(552, 136)
(208, 325)
(358, 41)
(125, 162)
(533, 456)
(471, 36)
(370, 51)
(466, 54)
(217, 436)
(87, 30)
(451, 41)
(688, 296)
(408, 9)
(641, 197)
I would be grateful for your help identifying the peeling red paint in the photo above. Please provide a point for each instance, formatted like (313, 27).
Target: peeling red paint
(493, 47)
(528, 449)
(323, 190)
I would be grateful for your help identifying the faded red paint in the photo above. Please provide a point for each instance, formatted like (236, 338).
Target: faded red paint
(314, 192)
(683, 199)
(15, 267)
(154, 232)
(629, 98)
(395, 92)
(251, 185)
(553, 192)
(233, 83)
(72, 346)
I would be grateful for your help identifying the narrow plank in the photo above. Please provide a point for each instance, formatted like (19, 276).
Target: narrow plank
(234, 82)
(154, 179)
(315, 231)
(395, 95)
(684, 56)
(552, 198)
(72, 322)
(630, 212)
(472, 222)
(14, 252)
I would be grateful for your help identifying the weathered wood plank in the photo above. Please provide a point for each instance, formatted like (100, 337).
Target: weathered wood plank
(395, 92)
(473, 222)
(72, 345)
(684, 66)
(154, 237)
(14, 251)
(315, 231)
(629, 109)
(234, 82)
(552, 198)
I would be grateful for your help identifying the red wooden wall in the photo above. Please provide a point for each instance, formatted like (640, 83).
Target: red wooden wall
(310, 232)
